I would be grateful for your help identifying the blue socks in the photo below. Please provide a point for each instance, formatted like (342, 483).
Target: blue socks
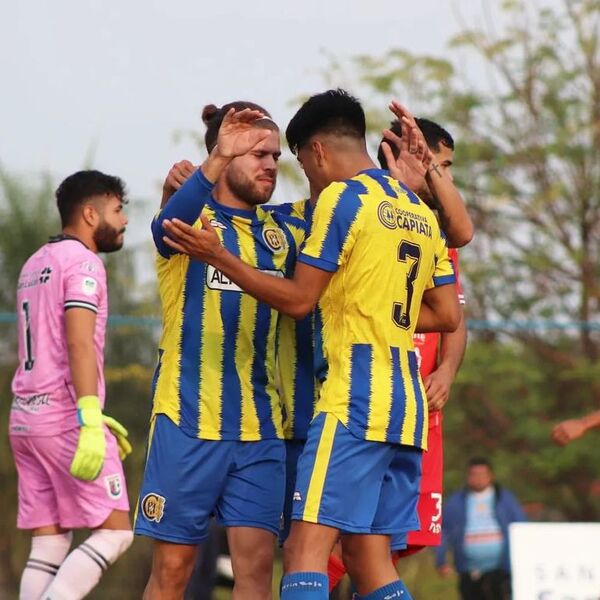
(392, 591)
(305, 586)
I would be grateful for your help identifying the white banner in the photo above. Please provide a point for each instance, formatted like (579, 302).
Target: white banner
(555, 561)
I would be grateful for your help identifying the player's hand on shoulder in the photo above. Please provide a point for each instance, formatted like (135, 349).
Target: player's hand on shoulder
(178, 174)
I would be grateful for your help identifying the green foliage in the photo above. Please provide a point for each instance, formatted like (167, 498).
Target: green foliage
(527, 159)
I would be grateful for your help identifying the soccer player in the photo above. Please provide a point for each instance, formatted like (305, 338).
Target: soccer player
(373, 255)
(439, 355)
(216, 433)
(68, 461)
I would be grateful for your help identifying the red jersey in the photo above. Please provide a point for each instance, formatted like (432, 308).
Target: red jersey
(426, 344)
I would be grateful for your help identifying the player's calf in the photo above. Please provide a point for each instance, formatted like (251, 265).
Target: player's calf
(47, 554)
(82, 569)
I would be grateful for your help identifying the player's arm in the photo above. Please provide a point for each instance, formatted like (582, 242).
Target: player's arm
(572, 429)
(294, 297)
(454, 217)
(80, 325)
(438, 383)
(237, 136)
(439, 311)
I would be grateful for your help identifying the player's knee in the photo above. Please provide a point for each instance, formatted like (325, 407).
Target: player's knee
(172, 568)
(110, 543)
(256, 565)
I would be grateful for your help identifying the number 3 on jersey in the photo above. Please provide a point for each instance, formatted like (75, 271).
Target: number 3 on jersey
(410, 254)
(28, 341)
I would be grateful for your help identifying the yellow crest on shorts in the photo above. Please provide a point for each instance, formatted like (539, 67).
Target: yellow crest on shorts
(153, 506)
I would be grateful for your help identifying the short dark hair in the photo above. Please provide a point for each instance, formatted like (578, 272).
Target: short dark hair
(213, 116)
(433, 133)
(333, 111)
(80, 186)
(394, 128)
(479, 461)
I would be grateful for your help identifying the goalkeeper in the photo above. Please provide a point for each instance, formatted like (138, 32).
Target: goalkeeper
(67, 452)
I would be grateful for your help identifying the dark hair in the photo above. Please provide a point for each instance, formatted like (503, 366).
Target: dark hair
(479, 461)
(435, 135)
(333, 111)
(81, 186)
(213, 116)
(394, 128)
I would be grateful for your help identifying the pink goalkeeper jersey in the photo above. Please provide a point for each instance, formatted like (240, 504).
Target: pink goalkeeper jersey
(61, 275)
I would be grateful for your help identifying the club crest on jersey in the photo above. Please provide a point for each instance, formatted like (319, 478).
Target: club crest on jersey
(153, 507)
(275, 239)
(387, 215)
(113, 486)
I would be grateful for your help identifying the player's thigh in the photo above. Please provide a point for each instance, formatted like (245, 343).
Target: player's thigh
(252, 552)
(429, 505)
(339, 477)
(252, 495)
(399, 494)
(182, 481)
(87, 504)
(37, 502)
(293, 450)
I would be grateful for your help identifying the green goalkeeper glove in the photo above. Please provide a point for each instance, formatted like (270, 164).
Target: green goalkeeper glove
(91, 447)
(121, 434)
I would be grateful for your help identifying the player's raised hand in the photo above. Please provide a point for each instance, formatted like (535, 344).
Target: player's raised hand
(407, 156)
(202, 244)
(238, 133)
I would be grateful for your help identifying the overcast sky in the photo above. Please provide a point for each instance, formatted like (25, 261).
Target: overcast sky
(118, 79)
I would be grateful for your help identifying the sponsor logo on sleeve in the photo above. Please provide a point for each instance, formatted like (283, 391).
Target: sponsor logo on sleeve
(88, 286)
(153, 507)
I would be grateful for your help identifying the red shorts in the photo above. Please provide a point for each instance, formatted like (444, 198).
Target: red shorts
(430, 497)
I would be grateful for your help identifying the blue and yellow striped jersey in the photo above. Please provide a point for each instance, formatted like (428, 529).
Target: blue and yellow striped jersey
(385, 249)
(216, 377)
(296, 350)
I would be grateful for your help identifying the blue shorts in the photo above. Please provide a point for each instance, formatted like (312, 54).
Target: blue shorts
(293, 450)
(187, 480)
(355, 485)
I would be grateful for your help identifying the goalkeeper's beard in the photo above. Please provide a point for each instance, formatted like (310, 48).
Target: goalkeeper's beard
(107, 238)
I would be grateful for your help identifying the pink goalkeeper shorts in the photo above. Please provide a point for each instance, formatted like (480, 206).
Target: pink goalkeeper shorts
(50, 495)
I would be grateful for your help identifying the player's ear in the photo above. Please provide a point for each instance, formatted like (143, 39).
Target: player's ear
(319, 152)
(90, 214)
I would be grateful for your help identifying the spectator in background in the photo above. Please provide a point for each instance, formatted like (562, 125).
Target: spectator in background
(571, 429)
(475, 528)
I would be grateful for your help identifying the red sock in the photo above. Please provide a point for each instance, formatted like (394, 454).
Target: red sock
(336, 570)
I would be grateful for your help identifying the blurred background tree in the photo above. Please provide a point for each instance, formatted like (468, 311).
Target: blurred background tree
(521, 96)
